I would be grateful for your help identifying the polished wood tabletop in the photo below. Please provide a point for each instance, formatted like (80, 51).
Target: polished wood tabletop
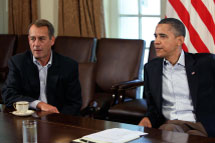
(60, 128)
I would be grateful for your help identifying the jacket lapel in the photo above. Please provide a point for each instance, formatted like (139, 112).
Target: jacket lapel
(191, 77)
(157, 77)
(32, 74)
(52, 77)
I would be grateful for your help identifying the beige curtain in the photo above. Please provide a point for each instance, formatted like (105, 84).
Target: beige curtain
(83, 18)
(21, 14)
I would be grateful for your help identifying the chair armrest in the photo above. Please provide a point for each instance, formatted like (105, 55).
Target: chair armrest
(128, 86)
(97, 108)
(115, 88)
(118, 85)
(90, 110)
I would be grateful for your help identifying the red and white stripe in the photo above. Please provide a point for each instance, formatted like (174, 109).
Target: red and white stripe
(198, 17)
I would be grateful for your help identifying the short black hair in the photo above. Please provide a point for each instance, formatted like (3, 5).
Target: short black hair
(176, 24)
(41, 23)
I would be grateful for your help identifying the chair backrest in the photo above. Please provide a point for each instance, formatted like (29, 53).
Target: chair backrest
(152, 52)
(81, 49)
(22, 44)
(7, 43)
(87, 81)
(118, 60)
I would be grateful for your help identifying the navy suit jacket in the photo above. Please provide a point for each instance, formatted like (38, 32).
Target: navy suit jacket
(200, 70)
(62, 88)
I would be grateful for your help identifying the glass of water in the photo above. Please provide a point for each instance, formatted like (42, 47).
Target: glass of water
(29, 131)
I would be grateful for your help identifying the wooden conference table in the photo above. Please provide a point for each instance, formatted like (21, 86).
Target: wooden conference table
(59, 128)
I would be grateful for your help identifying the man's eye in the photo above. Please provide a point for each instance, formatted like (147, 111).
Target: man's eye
(42, 38)
(163, 36)
(32, 39)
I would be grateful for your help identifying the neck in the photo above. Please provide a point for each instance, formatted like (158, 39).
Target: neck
(44, 61)
(173, 59)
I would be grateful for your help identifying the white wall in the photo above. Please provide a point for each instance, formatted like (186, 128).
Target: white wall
(48, 9)
(111, 18)
(163, 8)
(3, 16)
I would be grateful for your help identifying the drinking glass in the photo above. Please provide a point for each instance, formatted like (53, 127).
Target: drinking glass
(29, 131)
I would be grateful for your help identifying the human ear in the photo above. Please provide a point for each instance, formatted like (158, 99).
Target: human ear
(53, 40)
(180, 40)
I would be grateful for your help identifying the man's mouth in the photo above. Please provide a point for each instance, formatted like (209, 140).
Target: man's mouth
(158, 48)
(37, 50)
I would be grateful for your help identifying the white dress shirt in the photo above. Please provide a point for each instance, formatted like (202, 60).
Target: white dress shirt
(43, 71)
(177, 103)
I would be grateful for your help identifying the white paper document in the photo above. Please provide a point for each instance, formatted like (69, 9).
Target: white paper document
(114, 135)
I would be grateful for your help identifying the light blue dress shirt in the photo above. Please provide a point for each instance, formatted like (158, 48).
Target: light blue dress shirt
(177, 103)
(43, 71)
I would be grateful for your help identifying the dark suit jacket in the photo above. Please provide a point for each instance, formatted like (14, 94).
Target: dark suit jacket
(200, 69)
(63, 88)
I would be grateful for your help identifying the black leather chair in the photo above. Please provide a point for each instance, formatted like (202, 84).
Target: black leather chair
(131, 111)
(118, 60)
(81, 49)
(7, 44)
(87, 81)
(152, 52)
(22, 44)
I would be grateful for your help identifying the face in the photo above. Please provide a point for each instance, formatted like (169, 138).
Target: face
(167, 45)
(40, 43)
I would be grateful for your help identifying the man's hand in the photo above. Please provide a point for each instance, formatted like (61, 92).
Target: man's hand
(47, 107)
(145, 122)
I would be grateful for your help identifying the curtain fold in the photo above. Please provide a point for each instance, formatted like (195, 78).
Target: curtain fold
(21, 14)
(82, 18)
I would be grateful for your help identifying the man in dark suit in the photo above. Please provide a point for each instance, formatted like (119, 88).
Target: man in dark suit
(46, 79)
(179, 87)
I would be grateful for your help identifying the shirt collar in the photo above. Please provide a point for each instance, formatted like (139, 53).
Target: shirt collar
(48, 64)
(181, 60)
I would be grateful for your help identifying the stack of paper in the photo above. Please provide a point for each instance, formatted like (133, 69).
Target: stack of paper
(114, 135)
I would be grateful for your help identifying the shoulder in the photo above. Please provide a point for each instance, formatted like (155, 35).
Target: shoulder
(154, 62)
(21, 57)
(198, 57)
(63, 60)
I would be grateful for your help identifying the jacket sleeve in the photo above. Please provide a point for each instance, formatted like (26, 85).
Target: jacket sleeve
(12, 88)
(152, 113)
(73, 99)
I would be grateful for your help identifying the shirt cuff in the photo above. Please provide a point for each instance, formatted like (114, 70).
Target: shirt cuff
(34, 104)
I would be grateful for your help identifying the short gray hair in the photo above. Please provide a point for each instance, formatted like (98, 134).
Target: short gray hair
(41, 23)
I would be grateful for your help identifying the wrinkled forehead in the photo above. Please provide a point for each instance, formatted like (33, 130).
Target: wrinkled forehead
(38, 31)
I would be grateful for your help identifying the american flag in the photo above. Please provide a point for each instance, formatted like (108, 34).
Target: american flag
(198, 17)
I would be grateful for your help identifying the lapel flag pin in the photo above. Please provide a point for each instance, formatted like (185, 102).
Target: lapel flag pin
(193, 73)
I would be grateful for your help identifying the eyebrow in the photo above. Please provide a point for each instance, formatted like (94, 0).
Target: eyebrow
(38, 36)
(161, 34)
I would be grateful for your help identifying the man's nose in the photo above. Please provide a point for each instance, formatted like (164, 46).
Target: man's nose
(157, 40)
(37, 42)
